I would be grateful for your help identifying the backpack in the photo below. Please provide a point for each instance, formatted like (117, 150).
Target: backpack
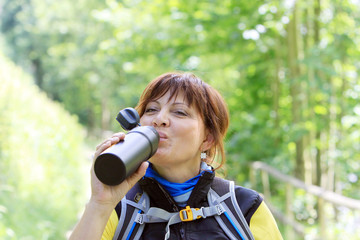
(223, 206)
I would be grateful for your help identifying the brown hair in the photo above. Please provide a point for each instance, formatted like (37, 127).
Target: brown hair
(208, 102)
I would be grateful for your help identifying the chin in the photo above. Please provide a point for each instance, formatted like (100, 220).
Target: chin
(159, 158)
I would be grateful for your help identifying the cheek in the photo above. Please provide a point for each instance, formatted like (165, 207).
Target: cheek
(194, 135)
(145, 121)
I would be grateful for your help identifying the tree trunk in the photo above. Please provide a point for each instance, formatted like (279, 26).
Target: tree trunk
(38, 72)
(295, 89)
(105, 116)
(318, 133)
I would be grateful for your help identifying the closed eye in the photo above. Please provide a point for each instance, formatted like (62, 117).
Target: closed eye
(181, 113)
(149, 110)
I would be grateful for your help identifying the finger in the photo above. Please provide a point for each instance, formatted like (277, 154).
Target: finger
(142, 168)
(114, 139)
(120, 135)
(140, 172)
(102, 148)
(117, 137)
(98, 146)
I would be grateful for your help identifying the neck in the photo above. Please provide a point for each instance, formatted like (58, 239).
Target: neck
(177, 174)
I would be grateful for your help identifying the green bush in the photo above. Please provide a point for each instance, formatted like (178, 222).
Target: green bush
(41, 159)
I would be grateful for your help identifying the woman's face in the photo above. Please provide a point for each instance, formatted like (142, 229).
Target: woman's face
(181, 129)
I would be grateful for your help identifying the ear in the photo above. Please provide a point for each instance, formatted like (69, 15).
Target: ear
(208, 142)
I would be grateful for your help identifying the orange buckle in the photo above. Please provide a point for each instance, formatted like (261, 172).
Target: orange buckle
(186, 215)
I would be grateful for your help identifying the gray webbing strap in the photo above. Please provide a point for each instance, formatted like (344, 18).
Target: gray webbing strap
(214, 199)
(203, 212)
(139, 205)
(223, 197)
(238, 211)
(155, 215)
(173, 220)
(146, 204)
(143, 204)
(121, 219)
(129, 226)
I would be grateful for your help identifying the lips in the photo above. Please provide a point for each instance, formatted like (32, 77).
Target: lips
(162, 135)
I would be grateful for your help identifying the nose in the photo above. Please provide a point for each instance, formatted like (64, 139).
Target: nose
(161, 119)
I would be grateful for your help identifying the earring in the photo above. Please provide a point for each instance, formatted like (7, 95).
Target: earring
(203, 156)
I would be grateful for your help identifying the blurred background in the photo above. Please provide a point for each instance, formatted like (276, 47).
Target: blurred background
(289, 71)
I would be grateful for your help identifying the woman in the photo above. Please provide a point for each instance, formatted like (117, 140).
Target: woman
(192, 119)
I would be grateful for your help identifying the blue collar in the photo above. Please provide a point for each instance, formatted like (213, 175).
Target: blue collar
(176, 189)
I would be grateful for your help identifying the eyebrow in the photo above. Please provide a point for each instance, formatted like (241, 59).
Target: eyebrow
(175, 103)
(180, 103)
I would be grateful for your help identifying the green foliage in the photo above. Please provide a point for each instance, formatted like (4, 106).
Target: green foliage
(41, 159)
(95, 57)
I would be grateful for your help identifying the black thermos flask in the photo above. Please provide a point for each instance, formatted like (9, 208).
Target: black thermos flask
(119, 161)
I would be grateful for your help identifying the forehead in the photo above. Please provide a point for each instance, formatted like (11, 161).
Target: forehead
(185, 87)
(168, 97)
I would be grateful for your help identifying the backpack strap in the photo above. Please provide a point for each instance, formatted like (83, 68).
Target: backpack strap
(232, 221)
(121, 219)
(136, 201)
(223, 205)
(156, 215)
